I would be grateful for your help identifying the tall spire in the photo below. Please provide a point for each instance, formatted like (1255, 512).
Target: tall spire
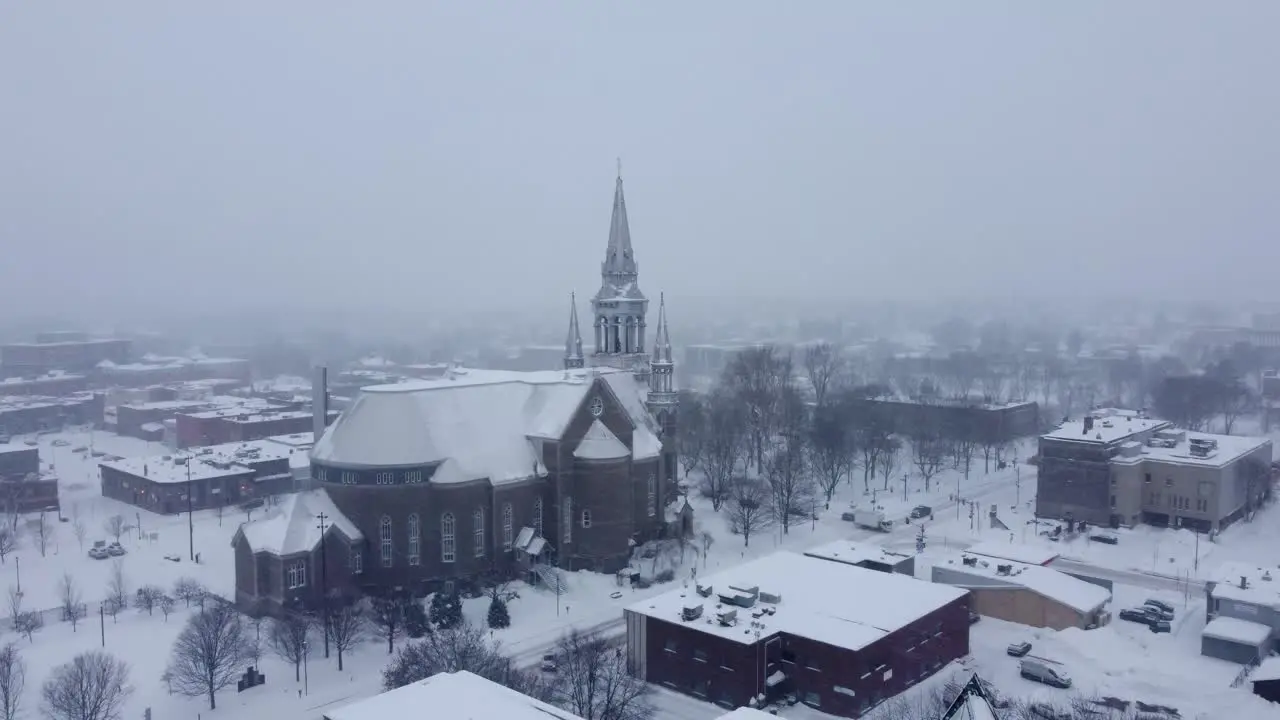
(619, 259)
(573, 343)
(662, 343)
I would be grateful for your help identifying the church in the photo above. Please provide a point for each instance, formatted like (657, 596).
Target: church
(435, 485)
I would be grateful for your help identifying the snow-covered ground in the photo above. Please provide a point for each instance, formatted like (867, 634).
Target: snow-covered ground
(1123, 660)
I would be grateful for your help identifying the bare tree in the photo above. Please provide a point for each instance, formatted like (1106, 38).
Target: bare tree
(928, 452)
(748, 508)
(890, 455)
(723, 446)
(347, 626)
(43, 532)
(963, 446)
(592, 680)
(288, 638)
(208, 652)
(756, 377)
(253, 640)
(117, 586)
(387, 617)
(27, 623)
(93, 686)
(693, 429)
(165, 604)
(825, 367)
(8, 540)
(114, 526)
(81, 530)
(148, 598)
(831, 446)
(15, 602)
(461, 647)
(13, 680)
(187, 589)
(787, 470)
(73, 610)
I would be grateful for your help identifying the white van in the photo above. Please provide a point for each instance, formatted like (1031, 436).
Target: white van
(1044, 670)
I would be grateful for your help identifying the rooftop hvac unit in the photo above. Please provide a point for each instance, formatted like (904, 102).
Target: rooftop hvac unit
(691, 612)
(772, 598)
(704, 590)
(1004, 569)
(727, 617)
(970, 561)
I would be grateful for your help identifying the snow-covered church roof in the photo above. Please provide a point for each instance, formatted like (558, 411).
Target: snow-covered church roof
(477, 423)
(293, 526)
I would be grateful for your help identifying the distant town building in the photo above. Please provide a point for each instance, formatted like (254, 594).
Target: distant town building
(79, 355)
(51, 384)
(36, 413)
(983, 422)
(840, 638)
(24, 487)
(1122, 468)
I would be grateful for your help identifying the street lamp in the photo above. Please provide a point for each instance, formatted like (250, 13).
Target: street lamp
(306, 679)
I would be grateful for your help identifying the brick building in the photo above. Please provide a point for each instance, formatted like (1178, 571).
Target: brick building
(30, 414)
(253, 420)
(988, 423)
(219, 476)
(23, 486)
(841, 638)
(1024, 593)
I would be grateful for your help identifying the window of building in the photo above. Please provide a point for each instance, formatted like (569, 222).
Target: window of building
(700, 655)
(415, 544)
(586, 518)
(700, 688)
(357, 561)
(384, 540)
(670, 645)
(1146, 478)
(508, 521)
(537, 517)
(477, 531)
(447, 588)
(297, 574)
(888, 675)
(348, 478)
(1168, 482)
(653, 495)
(413, 476)
(1113, 501)
(322, 475)
(568, 520)
(448, 549)
(386, 478)
(812, 699)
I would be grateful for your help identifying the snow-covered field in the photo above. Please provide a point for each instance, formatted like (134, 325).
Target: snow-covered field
(1124, 660)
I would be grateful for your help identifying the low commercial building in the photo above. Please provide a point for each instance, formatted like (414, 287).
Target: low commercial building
(51, 384)
(865, 555)
(154, 370)
(216, 476)
(982, 422)
(36, 413)
(450, 695)
(1242, 613)
(243, 419)
(24, 487)
(1120, 468)
(1027, 594)
(840, 638)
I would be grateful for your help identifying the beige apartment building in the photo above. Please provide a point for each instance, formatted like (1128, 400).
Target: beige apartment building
(1119, 468)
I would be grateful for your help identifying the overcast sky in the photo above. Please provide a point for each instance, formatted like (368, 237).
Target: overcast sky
(441, 155)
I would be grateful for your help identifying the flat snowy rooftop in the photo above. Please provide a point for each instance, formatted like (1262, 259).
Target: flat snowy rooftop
(1058, 586)
(1261, 585)
(853, 553)
(1106, 429)
(228, 459)
(746, 713)
(1229, 448)
(1237, 631)
(1028, 554)
(456, 695)
(841, 605)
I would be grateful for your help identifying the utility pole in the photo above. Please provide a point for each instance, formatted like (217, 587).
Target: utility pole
(18, 560)
(191, 524)
(324, 581)
(102, 624)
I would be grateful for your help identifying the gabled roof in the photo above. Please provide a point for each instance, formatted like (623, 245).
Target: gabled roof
(599, 443)
(450, 695)
(294, 525)
(476, 424)
(971, 704)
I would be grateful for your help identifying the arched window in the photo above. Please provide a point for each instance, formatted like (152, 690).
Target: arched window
(586, 518)
(448, 551)
(508, 520)
(537, 517)
(384, 538)
(567, 520)
(477, 531)
(653, 495)
(415, 544)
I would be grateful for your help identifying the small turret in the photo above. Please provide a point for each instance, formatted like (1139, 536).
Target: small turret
(573, 358)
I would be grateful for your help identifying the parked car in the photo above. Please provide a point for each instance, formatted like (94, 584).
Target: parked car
(921, 511)
(98, 453)
(974, 617)
(98, 553)
(1158, 613)
(1159, 604)
(31, 443)
(1043, 670)
(115, 549)
(61, 442)
(1138, 615)
(1048, 712)
(548, 664)
(1019, 649)
(1160, 626)
(80, 449)
(1105, 538)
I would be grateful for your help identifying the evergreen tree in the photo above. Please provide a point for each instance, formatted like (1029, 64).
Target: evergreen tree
(446, 610)
(415, 620)
(498, 615)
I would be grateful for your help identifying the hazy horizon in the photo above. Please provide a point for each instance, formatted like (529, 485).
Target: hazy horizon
(451, 156)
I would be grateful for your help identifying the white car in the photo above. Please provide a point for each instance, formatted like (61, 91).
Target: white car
(60, 442)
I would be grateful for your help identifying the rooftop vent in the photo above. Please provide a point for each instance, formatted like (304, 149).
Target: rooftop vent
(771, 598)
(727, 618)
(1004, 569)
(691, 612)
(1266, 575)
(1244, 583)
(970, 561)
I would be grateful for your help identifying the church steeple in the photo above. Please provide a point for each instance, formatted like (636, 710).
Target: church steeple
(662, 391)
(619, 264)
(573, 358)
(619, 307)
